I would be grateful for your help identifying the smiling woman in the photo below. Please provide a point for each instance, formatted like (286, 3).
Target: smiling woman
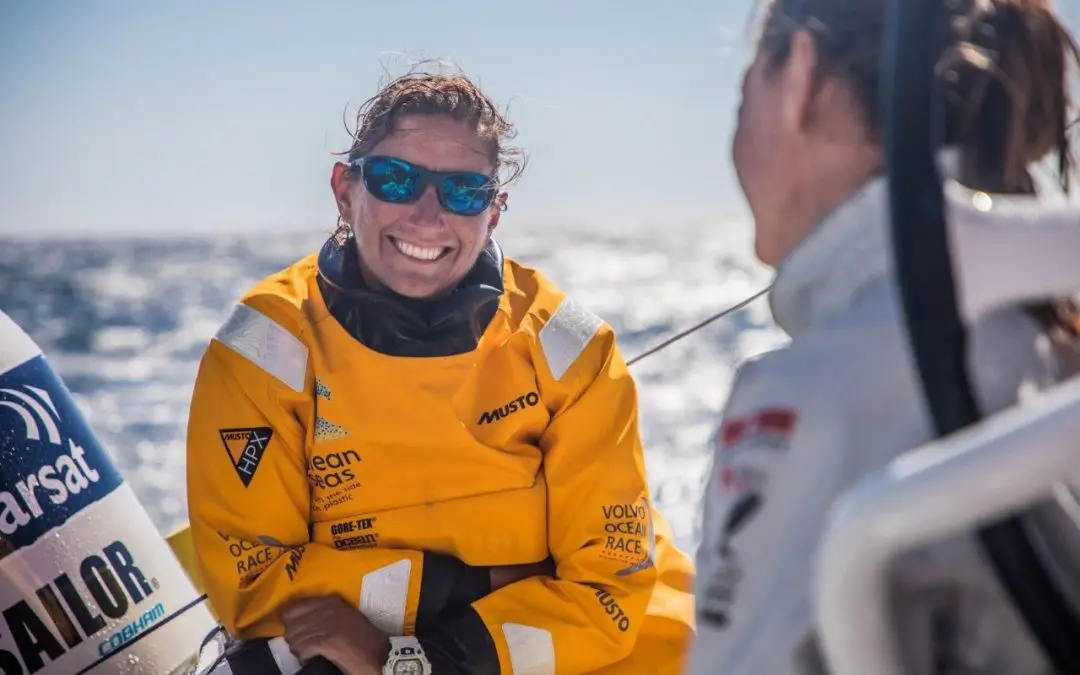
(415, 241)
(372, 460)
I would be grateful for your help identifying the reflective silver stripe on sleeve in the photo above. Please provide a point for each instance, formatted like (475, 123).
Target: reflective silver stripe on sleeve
(532, 650)
(384, 596)
(264, 342)
(566, 335)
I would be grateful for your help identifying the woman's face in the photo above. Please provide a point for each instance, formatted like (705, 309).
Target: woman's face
(418, 249)
(755, 151)
(800, 146)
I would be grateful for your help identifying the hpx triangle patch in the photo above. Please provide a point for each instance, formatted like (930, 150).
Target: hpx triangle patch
(246, 447)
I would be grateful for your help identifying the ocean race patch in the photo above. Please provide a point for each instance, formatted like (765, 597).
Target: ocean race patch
(246, 446)
(53, 465)
(629, 536)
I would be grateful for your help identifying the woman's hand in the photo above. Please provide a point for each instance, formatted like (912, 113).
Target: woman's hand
(330, 627)
(508, 574)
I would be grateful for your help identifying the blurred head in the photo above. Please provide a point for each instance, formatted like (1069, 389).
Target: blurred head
(809, 126)
(421, 191)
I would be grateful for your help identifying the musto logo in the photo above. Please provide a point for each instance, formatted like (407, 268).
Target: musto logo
(51, 467)
(76, 607)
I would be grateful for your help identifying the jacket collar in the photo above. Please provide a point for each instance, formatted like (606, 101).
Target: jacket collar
(396, 325)
(846, 251)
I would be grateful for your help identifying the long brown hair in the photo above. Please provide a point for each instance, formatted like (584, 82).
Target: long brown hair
(1004, 76)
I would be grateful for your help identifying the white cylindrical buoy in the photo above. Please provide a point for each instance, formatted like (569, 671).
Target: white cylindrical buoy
(87, 584)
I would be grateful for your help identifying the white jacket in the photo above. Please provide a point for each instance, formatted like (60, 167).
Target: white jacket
(806, 421)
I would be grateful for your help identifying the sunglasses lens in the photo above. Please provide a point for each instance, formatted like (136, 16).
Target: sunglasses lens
(392, 180)
(466, 194)
(399, 182)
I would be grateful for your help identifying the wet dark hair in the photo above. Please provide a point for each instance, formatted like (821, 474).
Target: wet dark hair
(1004, 76)
(428, 88)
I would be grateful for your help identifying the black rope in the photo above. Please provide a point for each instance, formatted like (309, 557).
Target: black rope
(678, 336)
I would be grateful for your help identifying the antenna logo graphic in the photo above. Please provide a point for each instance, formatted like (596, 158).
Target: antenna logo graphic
(51, 466)
(33, 413)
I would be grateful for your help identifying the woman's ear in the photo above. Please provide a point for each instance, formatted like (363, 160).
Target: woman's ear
(497, 209)
(339, 185)
(798, 82)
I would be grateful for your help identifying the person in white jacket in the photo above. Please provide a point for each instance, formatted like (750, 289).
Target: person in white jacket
(843, 398)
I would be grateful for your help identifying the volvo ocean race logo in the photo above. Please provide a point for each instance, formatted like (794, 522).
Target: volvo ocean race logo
(51, 467)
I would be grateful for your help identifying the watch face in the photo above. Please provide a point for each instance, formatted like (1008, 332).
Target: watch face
(408, 667)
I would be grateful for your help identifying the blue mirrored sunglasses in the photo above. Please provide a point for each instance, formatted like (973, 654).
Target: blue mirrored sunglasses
(394, 180)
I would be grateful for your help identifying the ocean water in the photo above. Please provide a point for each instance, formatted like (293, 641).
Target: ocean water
(126, 320)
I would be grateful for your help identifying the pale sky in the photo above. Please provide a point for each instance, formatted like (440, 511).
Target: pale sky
(200, 115)
(210, 116)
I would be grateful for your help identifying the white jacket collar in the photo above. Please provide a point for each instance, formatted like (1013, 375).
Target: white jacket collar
(847, 250)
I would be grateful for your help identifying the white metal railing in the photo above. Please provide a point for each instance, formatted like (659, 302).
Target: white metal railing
(1005, 250)
(944, 488)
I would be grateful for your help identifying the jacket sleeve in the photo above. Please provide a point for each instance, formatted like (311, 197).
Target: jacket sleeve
(599, 530)
(249, 501)
(778, 464)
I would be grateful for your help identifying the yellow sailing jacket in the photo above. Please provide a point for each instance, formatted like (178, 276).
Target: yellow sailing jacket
(345, 441)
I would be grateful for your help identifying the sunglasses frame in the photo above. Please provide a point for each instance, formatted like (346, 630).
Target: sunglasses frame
(426, 177)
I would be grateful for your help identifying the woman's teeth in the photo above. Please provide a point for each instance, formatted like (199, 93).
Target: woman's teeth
(416, 251)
